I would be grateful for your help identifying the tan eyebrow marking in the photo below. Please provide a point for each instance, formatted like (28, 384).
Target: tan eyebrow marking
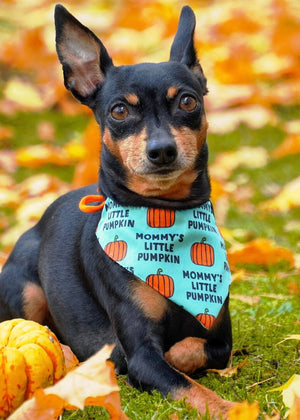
(132, 98)
(172, 92)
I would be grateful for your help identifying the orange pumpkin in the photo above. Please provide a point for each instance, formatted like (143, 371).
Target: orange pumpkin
(162, 283)
(206, 319)
(202, 253)
(116, 250)
(160, 218)
(30, 358)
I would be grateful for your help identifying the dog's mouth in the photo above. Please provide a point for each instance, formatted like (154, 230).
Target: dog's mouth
(157, 173)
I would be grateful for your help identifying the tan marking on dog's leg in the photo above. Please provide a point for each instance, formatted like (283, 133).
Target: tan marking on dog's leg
(187, 355)
(202, 399)
(152, 304)
(35, 305)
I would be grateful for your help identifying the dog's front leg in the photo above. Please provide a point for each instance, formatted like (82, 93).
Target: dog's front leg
(139, 327)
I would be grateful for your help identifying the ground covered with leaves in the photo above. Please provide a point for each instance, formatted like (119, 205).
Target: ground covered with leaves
(251, 56)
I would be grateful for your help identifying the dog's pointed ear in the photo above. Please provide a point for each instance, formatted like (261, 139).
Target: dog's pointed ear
(183, 48)
(84, 58)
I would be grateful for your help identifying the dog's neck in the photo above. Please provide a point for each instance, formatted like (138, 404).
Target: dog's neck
(112, 183)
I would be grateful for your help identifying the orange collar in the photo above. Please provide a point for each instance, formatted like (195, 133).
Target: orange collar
(84, 204)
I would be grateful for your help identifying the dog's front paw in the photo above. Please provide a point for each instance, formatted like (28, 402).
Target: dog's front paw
(187, 355)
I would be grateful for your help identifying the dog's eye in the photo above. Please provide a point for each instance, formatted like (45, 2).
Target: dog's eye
(188, 103)
(119, 112)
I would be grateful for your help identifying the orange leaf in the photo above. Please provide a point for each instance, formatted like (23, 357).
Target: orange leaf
(259, 251)
(290, 145)
(244, 411)
(93, 382)
(86, 172)
(5, 132)
(295, 409)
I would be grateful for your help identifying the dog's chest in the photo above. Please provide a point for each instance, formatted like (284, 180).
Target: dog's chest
(180, 253)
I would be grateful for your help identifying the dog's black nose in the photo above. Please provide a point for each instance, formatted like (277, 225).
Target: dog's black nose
(161, 152)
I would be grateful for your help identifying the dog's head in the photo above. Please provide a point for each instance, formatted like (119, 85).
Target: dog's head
(151, 116)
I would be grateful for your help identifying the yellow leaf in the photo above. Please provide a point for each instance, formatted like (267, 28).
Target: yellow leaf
(41, 154)
(33, 208)
(290, 390)
(8, 198)
(290, 337)
(244, 411)
(288, 198)
(24, 94)
(75, 150)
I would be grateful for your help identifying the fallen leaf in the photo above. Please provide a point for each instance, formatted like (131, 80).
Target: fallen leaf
(290, 390)
(41, 154)
(231, 371)
(295, 409)
(238, 275)
(288, 198)
(33, 208)
(8, 198)
(46, 131)
(249, 157)
(8, 161)
(86, 172)
(293, 288)
(93, 382)
(71, 360)
(250, 300)
(259, 251)
(24, 94)
(244, 411)
(6, 132)
(226, 121)
(290, 337)
(290, 145)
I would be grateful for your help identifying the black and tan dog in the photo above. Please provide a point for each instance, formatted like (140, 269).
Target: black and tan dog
(154, 155)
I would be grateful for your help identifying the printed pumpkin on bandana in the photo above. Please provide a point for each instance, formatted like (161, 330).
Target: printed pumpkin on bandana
(179, 253)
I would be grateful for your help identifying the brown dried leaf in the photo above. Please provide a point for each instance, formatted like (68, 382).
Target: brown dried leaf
(231, 371)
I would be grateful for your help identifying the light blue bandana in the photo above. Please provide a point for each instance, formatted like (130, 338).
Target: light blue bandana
(180, 253)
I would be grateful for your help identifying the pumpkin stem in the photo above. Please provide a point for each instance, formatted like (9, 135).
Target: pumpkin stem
(203, 240)
(206, 310)
(116, 238)
(159, 271)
